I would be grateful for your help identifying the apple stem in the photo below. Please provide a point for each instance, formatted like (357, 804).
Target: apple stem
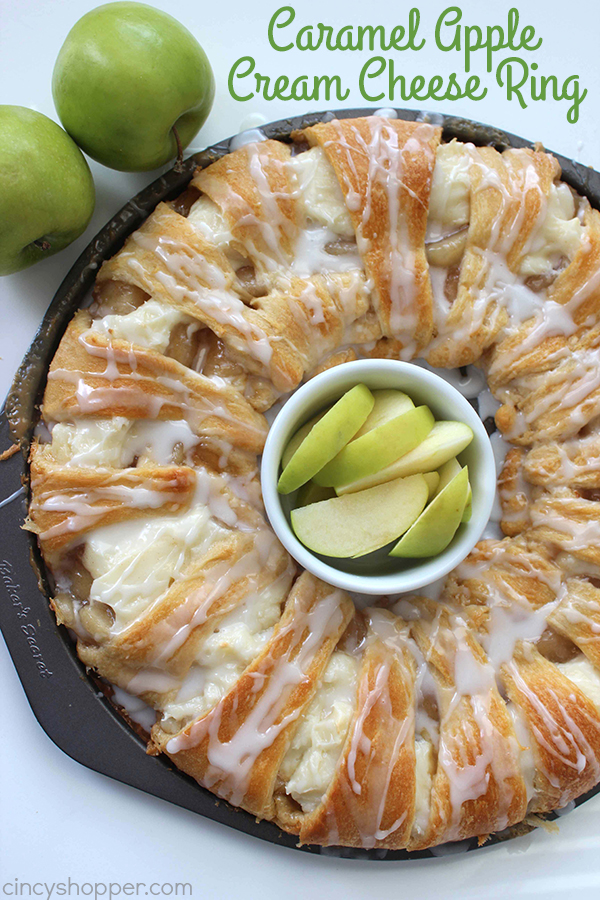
(179, 162)
(41, 244)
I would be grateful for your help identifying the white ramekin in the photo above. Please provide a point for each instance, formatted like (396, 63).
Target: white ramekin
(378, 573)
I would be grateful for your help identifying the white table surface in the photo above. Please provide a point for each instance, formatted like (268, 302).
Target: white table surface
(60, 820)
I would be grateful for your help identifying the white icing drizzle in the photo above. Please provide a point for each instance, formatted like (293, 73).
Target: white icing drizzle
(117, 442)
(368, 817)
(230, 762)
(83, 507)
(250, 136)
(193, 278)
(386, 160)
(273, 222)
(133, 563)
(136, 709)
(91, 400)
(561, 737)
(157, 440)
(312, 257)
(487, 404)
(471, 385)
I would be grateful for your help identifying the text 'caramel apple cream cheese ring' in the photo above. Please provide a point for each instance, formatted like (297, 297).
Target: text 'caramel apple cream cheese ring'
(406, 725)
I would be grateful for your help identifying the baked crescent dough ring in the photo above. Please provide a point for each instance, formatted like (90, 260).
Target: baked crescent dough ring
(396, 728)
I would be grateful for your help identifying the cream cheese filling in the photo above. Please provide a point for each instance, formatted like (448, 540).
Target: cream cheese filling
(309, 764)
(150, 325)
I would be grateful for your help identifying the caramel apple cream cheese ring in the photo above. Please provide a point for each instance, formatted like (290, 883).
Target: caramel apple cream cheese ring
(399, 727)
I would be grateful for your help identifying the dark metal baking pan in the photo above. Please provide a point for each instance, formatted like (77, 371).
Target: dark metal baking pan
(66, 701)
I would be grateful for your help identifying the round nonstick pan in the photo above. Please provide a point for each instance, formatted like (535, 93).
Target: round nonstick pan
(68, 702)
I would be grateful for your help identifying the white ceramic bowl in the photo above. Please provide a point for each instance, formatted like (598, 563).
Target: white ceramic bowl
(379, 573)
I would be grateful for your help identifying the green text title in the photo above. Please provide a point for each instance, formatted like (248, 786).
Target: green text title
(506, 49)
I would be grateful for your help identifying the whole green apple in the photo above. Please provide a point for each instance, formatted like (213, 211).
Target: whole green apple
(126, 76)
(46, 189)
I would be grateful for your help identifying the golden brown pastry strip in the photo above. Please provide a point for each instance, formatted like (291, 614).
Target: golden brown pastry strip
(385, 168)
(93, 376)
(577, 616)
(501, 572)
(69, 502)
(255, 189)
(557, 401)
(237, 748)
(371, 800)
(514, 494)
(477, 786)
(573, 463)
(568, 522)
(564, 726)
(508, 194)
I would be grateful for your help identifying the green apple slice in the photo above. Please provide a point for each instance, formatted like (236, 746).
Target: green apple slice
(378, 448)
(466, 516)
(432, 479)
(388, 404)
(437, 524)
(360, 523)
(445, 440)
(313, 493)
(468, 506)
(327, 437)
(447, 472)
(297, 439)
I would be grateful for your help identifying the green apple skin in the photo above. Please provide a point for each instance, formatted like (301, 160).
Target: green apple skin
(378, 448)
(445, 440)
(297, 439)
(125, 75)
(437, 524)
(388, 404)
(360, 523)
(46, 188)
(326, 438)
(468, 506)
(446, 473)
(466, 516)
